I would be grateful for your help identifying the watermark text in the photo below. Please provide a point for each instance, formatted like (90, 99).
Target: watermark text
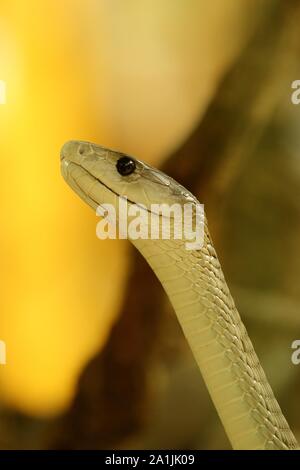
(295, 97)
(156, 222)
(2, 92)
(296, 354)
(2, 353)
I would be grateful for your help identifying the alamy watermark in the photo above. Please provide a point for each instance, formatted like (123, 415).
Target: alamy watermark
(295, 97)
(2, 353)
(2, 343)
(2, 92)
(159, 221)
(296, 354)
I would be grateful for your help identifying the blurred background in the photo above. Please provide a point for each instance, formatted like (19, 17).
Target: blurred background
(95, 357)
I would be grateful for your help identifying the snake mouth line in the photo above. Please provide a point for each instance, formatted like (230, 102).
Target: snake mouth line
(111, 190)
(107, 187)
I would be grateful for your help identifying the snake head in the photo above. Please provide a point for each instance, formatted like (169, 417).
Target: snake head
(100, 176)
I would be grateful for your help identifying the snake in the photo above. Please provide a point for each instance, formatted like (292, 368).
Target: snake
(195, 285)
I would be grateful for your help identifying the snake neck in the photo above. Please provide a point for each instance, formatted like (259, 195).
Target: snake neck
(195, 285)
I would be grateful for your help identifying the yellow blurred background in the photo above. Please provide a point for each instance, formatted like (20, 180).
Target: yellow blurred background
(133, 75)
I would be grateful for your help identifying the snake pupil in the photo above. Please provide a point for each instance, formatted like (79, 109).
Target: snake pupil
(125, 166)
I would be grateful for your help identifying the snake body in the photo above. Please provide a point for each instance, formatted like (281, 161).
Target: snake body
(196, 287)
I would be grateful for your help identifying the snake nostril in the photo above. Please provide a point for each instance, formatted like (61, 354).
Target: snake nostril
(68, 149)
(84, 149)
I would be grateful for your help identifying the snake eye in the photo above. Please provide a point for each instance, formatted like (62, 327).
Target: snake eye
(125, 166)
